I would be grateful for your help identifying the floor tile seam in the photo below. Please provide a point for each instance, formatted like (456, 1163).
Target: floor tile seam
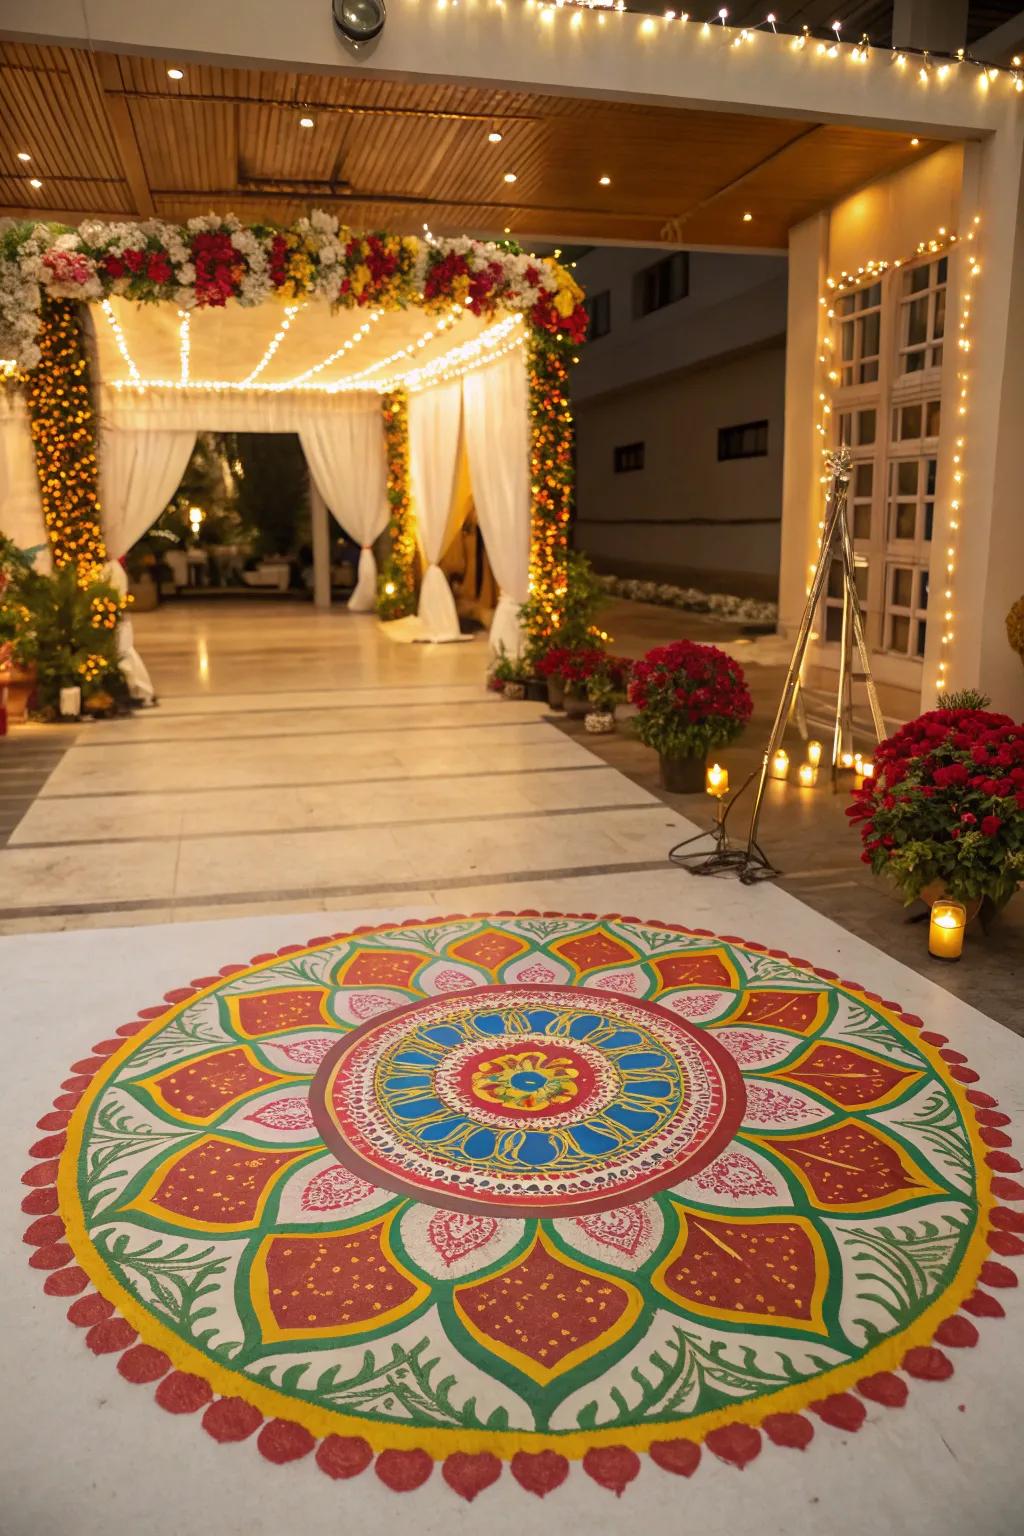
(330, 893)
(533, 813)
(404, 730)
(300, 709)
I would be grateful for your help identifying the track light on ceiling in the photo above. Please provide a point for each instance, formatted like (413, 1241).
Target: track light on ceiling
(359, 21)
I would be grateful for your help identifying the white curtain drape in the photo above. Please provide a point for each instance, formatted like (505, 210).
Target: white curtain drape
(434, 419)
(21, 512)
(347, 459)
(496, 423)
(139, 473)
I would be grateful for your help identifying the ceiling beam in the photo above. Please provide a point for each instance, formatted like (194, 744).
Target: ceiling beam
(1002, 41)
(302, 104)
(122, 131)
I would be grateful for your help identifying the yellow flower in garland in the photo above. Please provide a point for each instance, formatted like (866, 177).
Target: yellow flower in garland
(360, 278)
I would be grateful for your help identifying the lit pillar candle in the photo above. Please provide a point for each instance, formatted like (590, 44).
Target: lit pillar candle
(946, 930)
(814, 753)
(808, 775)
(780, 765)
(846, 761)
(717, 781)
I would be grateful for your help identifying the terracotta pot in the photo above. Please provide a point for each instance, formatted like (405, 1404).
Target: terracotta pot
(20, 683)
(600, 722)
(576, 705)
(556, 692)
(936, 890)
(683, 775)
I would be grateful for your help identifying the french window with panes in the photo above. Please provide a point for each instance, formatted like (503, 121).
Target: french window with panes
(889, 352)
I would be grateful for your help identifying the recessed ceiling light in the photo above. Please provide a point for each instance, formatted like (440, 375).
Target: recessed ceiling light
(510, 176)
(914, 143)
(604, 181)
(747, 218)
(494, 137)
(23, 155)
(306, 122)
(175, 74)
(35, 182)
(508, 229)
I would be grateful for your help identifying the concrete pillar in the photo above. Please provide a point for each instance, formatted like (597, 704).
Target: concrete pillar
(802, 499)
(320, 527)
(937, 25)
(989, 574)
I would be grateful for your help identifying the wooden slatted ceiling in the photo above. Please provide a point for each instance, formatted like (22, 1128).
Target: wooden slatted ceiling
(111, 135)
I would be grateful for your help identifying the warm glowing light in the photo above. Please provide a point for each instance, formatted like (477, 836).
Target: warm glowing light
(780, 765)
(35, 182)
(175, 74)
(814, 753)
(747, 218)
(494, 137)
(196, 518)
(716, 781)
(510, 177)
(946, 930)
(807, 775)
(24, 155)
(306, 122)
(604, 181)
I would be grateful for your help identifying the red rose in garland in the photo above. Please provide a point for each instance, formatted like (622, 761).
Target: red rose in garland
(690, 698)
(219, 269)
(947, 804)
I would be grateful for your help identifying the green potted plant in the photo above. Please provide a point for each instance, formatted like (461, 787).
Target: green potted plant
(63, 630)
(506, 675)
(690, 698)
(571, 628)
(17, 676)
(943, 813)
(577, 668)
(606, 688)
(1015, 627)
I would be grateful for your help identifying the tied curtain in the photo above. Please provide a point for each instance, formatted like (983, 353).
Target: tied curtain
(496, 424)
(434, 420)
(21, 512)
(346, 456)
(139, 473)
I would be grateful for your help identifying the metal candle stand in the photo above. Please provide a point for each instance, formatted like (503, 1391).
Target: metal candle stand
(750, 863)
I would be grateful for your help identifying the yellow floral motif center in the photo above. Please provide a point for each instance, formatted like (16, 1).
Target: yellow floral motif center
(528, 1080)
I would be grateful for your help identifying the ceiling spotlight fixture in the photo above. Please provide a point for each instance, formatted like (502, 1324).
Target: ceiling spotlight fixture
(494, 137)
(23, 155)
(35, 182)
(175, 74)
(747, 217)
(510, 176)
(604, 181)
(306, 122)
(359, 21)
(914, 143)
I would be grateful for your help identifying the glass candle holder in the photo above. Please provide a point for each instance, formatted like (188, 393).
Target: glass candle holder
(807, 774)
(780, 765)
(814, 753)
(716, 781)
(946, 929)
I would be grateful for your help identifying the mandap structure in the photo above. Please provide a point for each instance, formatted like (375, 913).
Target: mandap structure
(390, 356)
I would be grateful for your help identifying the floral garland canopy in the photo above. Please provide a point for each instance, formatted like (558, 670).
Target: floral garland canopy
(214, 259)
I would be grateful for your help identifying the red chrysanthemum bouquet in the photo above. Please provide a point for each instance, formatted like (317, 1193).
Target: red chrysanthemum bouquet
(690, 698)
(947, 804)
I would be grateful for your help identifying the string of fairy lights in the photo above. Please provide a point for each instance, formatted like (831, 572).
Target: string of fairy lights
(383, 376)
(923, 65)
(871, 272)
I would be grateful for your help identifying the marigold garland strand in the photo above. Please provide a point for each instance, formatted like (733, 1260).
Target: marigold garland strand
(551, 481)
(396, 586)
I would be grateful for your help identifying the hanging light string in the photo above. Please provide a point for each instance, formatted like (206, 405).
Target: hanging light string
(185, 343)
(921, 64)
(134, 377)
(848, 282)
(291, 310)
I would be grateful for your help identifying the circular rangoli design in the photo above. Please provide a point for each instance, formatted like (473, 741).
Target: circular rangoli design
(524, 1188)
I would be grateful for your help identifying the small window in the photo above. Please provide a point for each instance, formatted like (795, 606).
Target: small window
(628, 458)
(664, 283)
(860, 329)
(599, 311)
(922, 323)
(749, 441)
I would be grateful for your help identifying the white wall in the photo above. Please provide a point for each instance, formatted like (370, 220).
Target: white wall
(686, 517)
(734, 302)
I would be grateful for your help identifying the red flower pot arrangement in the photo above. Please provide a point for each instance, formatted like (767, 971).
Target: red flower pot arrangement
(690, 698)
(947, 804)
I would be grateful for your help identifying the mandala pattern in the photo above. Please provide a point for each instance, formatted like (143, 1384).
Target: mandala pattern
(526, 1188)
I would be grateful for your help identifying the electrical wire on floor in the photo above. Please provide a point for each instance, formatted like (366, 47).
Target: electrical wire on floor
(748, 863)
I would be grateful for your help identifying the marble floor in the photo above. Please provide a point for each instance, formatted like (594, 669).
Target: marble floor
(303, 775)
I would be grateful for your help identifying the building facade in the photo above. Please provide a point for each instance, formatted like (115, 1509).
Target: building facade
(679, 399)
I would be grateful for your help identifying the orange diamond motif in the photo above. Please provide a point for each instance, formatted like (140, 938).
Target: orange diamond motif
(267, 1013)
(545, 1313)
(381, 967)
(852, 1166)
(589, 951)
(215, 1183)
(849, 1077)
(490, 948)
(331, 1282)
(696, 968)
(200, 1089)
(783, 1010)
(765, 1269)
